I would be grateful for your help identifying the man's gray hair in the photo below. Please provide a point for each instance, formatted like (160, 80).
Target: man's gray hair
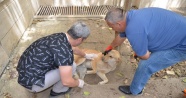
(114, 15)
(79, 30)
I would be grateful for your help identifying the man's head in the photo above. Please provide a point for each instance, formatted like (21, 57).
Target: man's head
(78, 32)
(115, 19)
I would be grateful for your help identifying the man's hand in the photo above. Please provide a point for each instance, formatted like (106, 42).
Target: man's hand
(90, 56)
(107, 50)
(135, 56)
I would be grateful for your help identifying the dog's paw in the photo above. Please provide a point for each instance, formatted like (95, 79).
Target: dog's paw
(101, 83)
(86, 84)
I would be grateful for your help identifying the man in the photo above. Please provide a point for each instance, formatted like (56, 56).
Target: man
(49, 61)
(157, 36)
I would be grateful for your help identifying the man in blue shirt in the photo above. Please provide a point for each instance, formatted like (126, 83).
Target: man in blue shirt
(157, 36)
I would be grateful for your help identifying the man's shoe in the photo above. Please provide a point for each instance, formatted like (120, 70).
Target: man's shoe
(126, 90)
(52, 93)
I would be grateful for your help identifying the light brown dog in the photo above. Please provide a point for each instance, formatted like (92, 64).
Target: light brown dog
(100, 65)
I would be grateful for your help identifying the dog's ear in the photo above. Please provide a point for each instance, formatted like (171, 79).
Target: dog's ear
(117, 56)
(119, 61)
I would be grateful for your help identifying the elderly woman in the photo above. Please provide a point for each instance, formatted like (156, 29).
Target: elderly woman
(49, 61)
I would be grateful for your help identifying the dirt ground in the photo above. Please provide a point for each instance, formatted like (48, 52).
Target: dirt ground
(167, 83)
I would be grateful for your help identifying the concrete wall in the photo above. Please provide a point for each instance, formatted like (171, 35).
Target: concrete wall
(126, 4)
(162, 3)
(178, 6)
(81, 2)
(138, 3)
(15, 17)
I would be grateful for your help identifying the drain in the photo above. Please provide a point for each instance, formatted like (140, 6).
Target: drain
(72, 11)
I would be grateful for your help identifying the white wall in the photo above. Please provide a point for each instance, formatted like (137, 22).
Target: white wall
(138, 3)
(162, 3)
(15, 17)
(81, 2)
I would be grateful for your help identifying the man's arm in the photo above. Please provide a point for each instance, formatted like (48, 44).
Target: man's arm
(117, 41)
(78, 51)
(66, 76)
(146, 56)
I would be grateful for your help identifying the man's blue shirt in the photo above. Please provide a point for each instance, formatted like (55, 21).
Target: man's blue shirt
(155, 29)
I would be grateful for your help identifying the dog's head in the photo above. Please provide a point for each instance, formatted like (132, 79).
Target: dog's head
(113, 57)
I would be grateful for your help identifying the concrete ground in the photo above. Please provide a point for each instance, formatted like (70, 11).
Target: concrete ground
(100, 37)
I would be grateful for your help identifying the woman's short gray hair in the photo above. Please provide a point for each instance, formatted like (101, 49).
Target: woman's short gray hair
(79, 30)
(114, 15)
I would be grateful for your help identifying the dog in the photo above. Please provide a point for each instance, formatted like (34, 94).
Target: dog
(100, 65)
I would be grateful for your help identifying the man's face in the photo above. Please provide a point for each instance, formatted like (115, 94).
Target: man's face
(78, 41)
(119, 26)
